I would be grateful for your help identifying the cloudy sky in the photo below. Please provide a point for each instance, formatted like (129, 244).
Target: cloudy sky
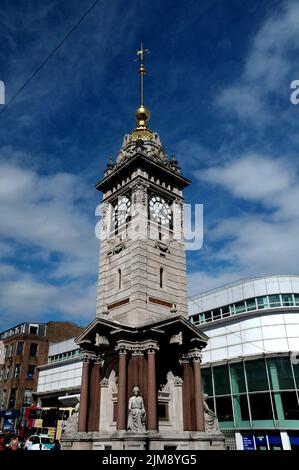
(218, 88)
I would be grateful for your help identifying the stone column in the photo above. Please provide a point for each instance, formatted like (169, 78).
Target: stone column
(152, 424)
(84, 394)
(95, 396)
(186, 394)
(121, 423)
(199, 414)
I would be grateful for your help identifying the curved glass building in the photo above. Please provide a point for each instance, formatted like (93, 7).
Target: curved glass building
(250, 367)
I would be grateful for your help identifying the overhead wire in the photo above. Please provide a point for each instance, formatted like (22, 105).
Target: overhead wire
(50, 55)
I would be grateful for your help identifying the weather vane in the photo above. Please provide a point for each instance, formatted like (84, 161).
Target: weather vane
(140, 54)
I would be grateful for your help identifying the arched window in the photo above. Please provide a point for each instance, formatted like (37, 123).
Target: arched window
(161, 277)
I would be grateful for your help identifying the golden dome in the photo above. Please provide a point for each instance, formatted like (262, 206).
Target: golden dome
(142, 116)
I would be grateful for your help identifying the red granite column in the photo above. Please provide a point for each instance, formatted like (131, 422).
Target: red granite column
(95, 397)
(186, 394)
(121, 423)
(83, 410)
(152, 423)
(199, 414)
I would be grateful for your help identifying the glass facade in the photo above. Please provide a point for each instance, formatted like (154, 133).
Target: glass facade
(248, 305)
(254, 394)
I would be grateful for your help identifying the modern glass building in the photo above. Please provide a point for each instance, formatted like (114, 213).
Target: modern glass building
(250, 368)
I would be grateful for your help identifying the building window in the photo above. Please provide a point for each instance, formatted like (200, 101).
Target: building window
(240, 307)
(20, 347)
(216, 314)
(7, 373)
(225, 311)
(260, 405)
(2, 398)
(224, 408)
(221, 380)
(280, 373)
(27, 397)
(12, 398)
(263, 302)
(33, 349)
(206, 377)
(287, 300)
(30, 372)
(33, 329)
(8, 350)
(161, 278)
(256, 375)
(17, 371)
(241, 408)
(208, 316)
(290, 405)
(237, 377)
(119, 278)
(251, 304)
(274, 301)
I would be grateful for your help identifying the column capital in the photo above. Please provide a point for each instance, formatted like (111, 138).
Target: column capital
(193, 354)
(98, 360)
(138, 352)
(184, 360)
(87, 356)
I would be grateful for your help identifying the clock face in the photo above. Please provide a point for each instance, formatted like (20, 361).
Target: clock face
(121, 210)
(160, 210)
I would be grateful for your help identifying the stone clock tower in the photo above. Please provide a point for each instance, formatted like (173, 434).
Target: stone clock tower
(142, 276)
(141, 338)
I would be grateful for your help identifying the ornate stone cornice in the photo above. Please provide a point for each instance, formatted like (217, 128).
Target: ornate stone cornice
(137, 348)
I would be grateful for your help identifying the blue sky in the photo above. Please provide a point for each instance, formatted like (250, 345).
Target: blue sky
(218, 88)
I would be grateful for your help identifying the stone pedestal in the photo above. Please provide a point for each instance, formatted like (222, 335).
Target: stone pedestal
(144, 441)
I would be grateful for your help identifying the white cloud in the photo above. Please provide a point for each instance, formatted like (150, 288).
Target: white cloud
(46, 227)
(262, 240)
(46, 213)
(253, 177)
(268, 69)
(25, 298)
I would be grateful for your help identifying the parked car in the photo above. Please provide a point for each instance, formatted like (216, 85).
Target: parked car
(38, 442)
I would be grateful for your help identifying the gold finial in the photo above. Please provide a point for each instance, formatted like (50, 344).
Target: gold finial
(141, 54)
(142, 114)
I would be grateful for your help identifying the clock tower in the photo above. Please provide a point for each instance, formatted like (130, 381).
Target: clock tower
(141, 340)
(142, 274)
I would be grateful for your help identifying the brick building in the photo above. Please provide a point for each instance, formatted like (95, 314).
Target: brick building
(22, 349)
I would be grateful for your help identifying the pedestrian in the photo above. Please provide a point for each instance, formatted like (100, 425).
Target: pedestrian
(57, 445)
(14, 443)
(2, 442)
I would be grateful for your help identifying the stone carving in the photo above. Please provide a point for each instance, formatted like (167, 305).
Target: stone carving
(100, 340)
(211, 421)
(177, 339)
(163, 246)
(71, 426)
(136, 412)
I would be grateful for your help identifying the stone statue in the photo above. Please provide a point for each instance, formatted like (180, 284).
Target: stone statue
(136, 412)
(211, 421)
(71, 426)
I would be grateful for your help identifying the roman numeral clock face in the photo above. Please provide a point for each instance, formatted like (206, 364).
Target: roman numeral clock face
(121, 210)
(160, 210)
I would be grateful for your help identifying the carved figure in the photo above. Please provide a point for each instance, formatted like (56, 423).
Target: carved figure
(136, 412)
